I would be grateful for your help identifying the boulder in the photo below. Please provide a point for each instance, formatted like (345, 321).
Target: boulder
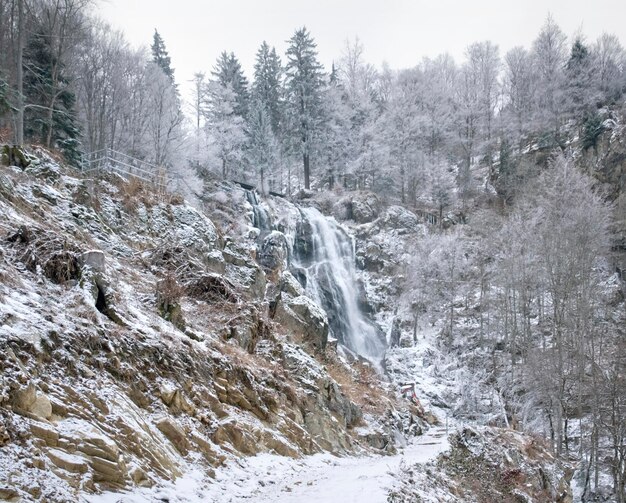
(215, 261)
(175, 399)
(274, 253)
(9, 493)
(236, 434)
(397, 217)
(371, 257)
(349, 413)
(42, 408)
(192, 228)
(246, 328)
(365, 207)
(28, 399)
(342, 209)
(305, 318)
(250, 278)
(25, 397)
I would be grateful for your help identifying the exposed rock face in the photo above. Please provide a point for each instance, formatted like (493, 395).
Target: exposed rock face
(301, 315)
(274, 252)
(290, 285)
(174, 433)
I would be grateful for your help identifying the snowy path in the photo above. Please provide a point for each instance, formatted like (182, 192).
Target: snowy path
(268, 478)
(354, 479)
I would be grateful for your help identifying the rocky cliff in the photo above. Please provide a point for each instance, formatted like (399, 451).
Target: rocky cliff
(141, 337)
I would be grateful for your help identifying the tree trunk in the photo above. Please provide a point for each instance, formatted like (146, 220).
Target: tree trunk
(19, 137)
(307, 173)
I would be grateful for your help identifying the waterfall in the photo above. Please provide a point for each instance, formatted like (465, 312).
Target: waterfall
(260, 219)
(328, 259)
(322, 258)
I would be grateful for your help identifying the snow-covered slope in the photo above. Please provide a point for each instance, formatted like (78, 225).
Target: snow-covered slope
(137, 346)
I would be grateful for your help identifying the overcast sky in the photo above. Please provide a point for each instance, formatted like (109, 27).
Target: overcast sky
(400, 32)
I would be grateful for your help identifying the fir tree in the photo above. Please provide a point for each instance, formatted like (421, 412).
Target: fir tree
(267, 86)
(160, 55)
(304, 86)
(228, 73)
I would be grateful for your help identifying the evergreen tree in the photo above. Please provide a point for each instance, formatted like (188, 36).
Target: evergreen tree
(51, 109)
(160, 55)
(581, 87)
(267, 85)
(228, 73)
(304, 86)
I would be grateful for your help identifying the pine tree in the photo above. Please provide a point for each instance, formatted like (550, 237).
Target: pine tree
(304, 86)
(228, 73)
(160, 55)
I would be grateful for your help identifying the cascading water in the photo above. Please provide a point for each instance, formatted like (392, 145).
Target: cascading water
(322, 258)
(331, 282)
(260, 219)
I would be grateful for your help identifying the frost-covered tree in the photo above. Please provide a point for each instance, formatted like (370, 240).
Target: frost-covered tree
(553, 250)
(581, 89)
(483, 63)
(267, 87)
(264, 149)
(102, 61)
(549, 57)
(441, 189)
(228, 73)
(304, 90)
(165, 116)
(519, 91)
(610, 62)
(55, 29)
(438, 106)
(225, 129)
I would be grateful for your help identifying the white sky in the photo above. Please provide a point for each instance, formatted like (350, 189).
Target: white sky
(400, 32)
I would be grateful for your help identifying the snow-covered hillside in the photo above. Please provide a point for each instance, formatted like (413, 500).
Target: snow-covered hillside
(137, 344)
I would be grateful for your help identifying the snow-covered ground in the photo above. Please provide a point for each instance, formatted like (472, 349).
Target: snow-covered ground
(268, 478)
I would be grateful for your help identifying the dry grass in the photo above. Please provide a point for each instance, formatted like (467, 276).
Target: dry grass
(361, 385)
(212, 288)
(57, 258)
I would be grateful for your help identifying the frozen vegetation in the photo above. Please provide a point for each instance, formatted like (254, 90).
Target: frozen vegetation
(360, 284)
